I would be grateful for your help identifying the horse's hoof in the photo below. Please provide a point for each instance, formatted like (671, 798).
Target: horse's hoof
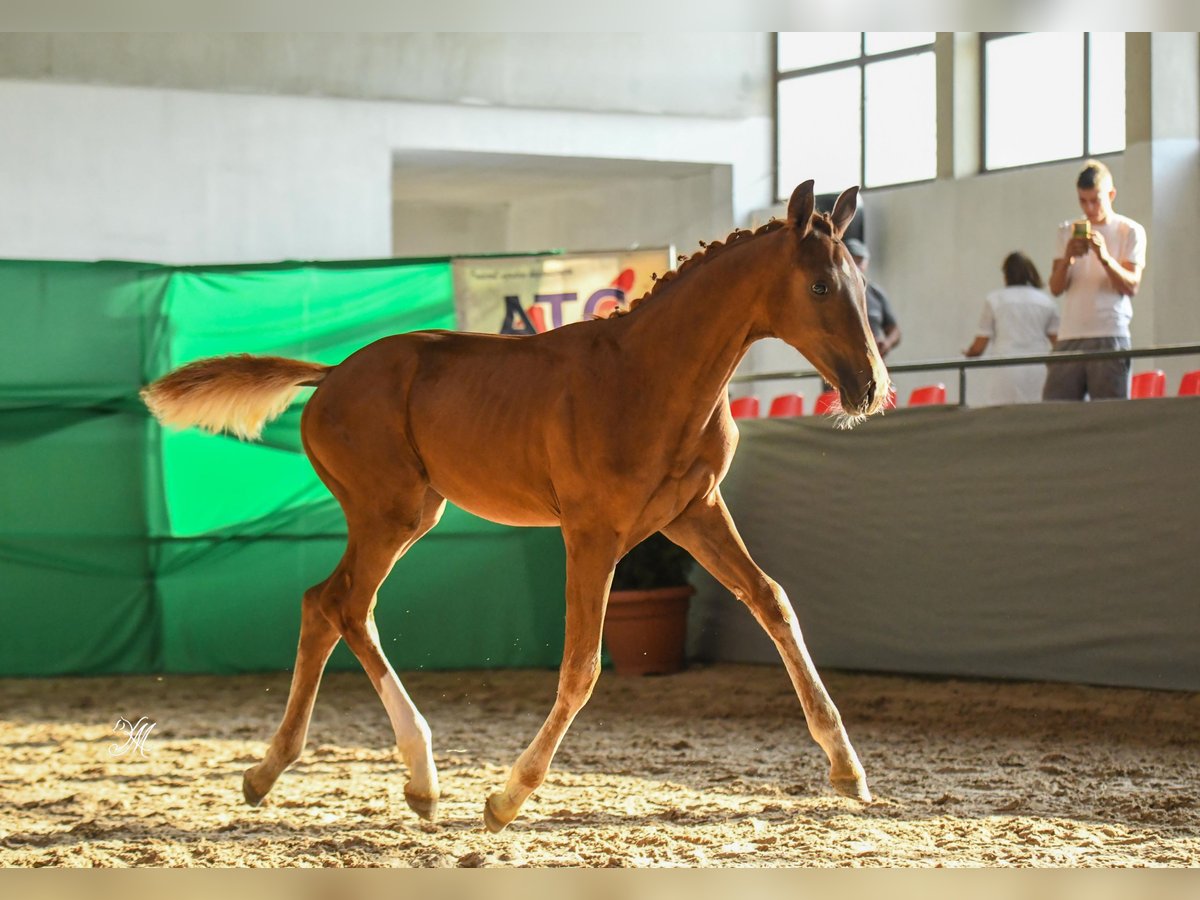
(490, 819)
(425, 807)
(250, 792)
(852, 786)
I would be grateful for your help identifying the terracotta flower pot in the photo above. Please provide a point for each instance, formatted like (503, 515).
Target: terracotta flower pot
(646, 631)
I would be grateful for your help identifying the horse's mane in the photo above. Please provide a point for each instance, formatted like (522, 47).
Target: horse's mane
(820, 221)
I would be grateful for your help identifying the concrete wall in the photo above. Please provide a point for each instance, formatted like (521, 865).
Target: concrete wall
(1162, 187)
(246, 147)
(705, 74)
(649, 212)
(422, 228)
(172, 176)
(91, 172)
(646, 212)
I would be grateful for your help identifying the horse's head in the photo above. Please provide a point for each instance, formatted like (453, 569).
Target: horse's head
(822, 310)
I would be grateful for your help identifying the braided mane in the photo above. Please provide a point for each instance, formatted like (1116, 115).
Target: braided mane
(820, 221)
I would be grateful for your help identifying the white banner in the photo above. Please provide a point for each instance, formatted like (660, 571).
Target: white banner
(530, 294)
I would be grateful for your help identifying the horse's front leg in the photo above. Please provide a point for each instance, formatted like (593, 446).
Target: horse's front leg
(591, 556)
(706, 530)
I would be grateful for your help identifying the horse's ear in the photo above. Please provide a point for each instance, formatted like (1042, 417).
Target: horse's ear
(844, 210)
(800, 207)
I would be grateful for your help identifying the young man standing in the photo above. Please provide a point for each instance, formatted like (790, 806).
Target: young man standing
(1099, 267)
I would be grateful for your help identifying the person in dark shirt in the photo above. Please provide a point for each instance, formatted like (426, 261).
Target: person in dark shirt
(879, 311)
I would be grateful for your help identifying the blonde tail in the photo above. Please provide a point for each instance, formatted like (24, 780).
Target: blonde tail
(238, 394)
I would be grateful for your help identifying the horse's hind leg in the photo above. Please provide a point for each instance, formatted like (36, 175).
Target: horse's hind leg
(318, 637)
(706, 530)
(413, 738)
(375, 544)
(343, 604)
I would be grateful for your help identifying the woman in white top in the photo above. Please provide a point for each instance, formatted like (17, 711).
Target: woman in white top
(1022, 319)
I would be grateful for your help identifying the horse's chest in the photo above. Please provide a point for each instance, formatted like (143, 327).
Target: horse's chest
(678, 488)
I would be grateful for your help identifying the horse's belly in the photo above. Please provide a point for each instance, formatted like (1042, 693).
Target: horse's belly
(479, 433)
(504, 487)
(505, 507)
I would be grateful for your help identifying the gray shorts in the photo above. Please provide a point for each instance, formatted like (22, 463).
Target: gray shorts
(1099, 379)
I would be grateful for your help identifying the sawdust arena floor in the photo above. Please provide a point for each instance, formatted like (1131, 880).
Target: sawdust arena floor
(709, 768)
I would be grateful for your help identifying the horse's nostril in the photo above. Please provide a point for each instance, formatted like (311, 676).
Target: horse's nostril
(870, 395)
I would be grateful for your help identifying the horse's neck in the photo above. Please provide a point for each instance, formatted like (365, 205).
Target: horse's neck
(698, 329)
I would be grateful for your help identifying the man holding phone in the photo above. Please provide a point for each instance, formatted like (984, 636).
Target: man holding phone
(1098, 269)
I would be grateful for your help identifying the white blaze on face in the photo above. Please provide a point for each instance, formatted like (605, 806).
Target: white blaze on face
(848, 270)
(883, 383)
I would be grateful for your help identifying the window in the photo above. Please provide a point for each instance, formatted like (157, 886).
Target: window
(1052, 95)
(854, 107)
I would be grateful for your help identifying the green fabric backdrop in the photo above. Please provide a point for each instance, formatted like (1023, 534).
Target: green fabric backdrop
(126, 548)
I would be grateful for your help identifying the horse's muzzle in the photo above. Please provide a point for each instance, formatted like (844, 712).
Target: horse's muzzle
(858, 400)
(863, 389)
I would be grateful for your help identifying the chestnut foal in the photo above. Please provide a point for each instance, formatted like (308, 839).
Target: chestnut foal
(634, 437)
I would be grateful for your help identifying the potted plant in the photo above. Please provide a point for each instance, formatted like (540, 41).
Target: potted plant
(645, 628)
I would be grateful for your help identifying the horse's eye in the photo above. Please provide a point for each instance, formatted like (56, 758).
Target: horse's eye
(820, 287)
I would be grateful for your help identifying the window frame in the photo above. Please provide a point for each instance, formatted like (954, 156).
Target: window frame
(987, 36)
(860, 62)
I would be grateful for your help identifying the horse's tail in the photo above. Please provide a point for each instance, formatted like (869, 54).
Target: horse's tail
(238, 394)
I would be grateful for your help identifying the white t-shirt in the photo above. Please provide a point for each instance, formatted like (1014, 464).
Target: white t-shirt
(1019, 319)
(1091, 308)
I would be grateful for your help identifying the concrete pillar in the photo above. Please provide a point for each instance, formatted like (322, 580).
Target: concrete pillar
(1160, 187)
(959, 154)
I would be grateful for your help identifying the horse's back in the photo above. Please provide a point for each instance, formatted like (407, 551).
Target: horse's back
(469, 412)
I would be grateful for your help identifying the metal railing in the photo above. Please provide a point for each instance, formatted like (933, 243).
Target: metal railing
(986, 362)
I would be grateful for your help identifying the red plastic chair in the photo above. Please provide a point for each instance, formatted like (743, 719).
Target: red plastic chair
(786, 405)
(744, 407)
(1190, 385)
(1148, 384)
(929, 395)
(827, 402)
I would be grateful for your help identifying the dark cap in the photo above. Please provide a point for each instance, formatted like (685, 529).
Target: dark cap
(857, 248)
